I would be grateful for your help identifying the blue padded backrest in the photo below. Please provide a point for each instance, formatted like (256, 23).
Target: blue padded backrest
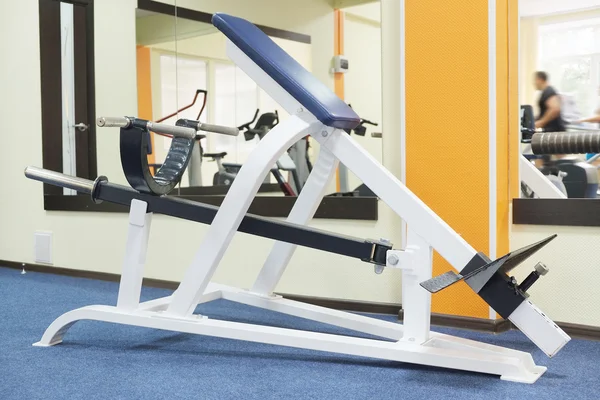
(287, 72)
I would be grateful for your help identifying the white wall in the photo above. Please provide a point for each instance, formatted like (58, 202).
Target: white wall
(362, 82)
(93, 241)
(570, 292)
(116, 86)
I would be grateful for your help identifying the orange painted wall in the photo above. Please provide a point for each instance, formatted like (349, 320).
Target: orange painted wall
(447, 138)
(144, 89)
(338, 49)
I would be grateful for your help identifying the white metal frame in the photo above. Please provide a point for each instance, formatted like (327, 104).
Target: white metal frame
(412, 342)
(537, 181)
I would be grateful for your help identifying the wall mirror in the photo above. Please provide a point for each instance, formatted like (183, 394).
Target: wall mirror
(162, 62)
(561, 41)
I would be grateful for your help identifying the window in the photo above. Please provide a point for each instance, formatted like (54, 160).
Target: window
(236, 101)
(570, 53)
(180, 77)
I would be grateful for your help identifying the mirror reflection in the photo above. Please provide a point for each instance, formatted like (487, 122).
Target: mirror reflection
(192, 77)
(188, 75)
(559, 68)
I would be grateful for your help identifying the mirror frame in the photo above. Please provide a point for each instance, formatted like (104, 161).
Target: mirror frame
(563, 212)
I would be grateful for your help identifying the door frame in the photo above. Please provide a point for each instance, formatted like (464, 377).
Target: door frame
(51, 87)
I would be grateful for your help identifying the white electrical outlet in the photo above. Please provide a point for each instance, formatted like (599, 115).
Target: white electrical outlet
(42, 247)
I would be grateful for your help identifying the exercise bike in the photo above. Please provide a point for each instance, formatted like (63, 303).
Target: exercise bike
(226, 172)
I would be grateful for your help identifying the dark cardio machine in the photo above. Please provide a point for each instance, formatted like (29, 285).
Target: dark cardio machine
(227, 172)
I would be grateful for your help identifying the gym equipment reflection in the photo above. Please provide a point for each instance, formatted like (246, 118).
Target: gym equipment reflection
(194, 54)
(569, 175)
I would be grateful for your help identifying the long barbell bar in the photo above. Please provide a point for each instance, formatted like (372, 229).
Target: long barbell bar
(173, 130)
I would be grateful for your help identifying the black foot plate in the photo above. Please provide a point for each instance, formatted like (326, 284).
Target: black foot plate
(479, 277)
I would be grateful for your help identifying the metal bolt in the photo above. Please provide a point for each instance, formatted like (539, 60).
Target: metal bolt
(541, 268)
(379, 269)
(324, 133)
(393, 259)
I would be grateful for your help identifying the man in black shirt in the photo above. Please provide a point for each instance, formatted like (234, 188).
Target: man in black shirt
(550, 118)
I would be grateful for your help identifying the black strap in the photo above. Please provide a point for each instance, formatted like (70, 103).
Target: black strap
(371, 251)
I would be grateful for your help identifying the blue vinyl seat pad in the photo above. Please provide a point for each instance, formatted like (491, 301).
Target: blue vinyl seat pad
(311, 93)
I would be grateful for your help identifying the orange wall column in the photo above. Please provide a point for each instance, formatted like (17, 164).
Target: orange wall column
(338, 49)
(447, 89)
(144, 90)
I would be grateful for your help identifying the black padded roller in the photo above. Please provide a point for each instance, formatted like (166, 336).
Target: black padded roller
(566, 142)
(134, 159)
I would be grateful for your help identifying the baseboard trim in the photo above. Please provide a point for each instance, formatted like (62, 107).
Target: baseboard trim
(450, 321)
(580, 331)
(77, 273)
(502, 325)
(338, 304)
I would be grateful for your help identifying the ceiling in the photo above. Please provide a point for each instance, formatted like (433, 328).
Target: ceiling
(531, 8)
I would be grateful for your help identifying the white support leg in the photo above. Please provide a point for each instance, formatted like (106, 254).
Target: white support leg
(135, 256)
(302, 212)
(355, 322)
(416, 263)
(235, 206)
(440, 351)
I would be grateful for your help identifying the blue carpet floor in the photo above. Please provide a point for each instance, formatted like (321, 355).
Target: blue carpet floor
(105, 361)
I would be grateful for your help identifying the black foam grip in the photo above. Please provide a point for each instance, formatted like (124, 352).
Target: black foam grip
(134, 159)
(566, 142)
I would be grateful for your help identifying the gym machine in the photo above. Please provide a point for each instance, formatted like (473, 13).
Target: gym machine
(547, 182)
(581, 178)
(571, 176)
(227, 171)
(195, 163)
(317, 111)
